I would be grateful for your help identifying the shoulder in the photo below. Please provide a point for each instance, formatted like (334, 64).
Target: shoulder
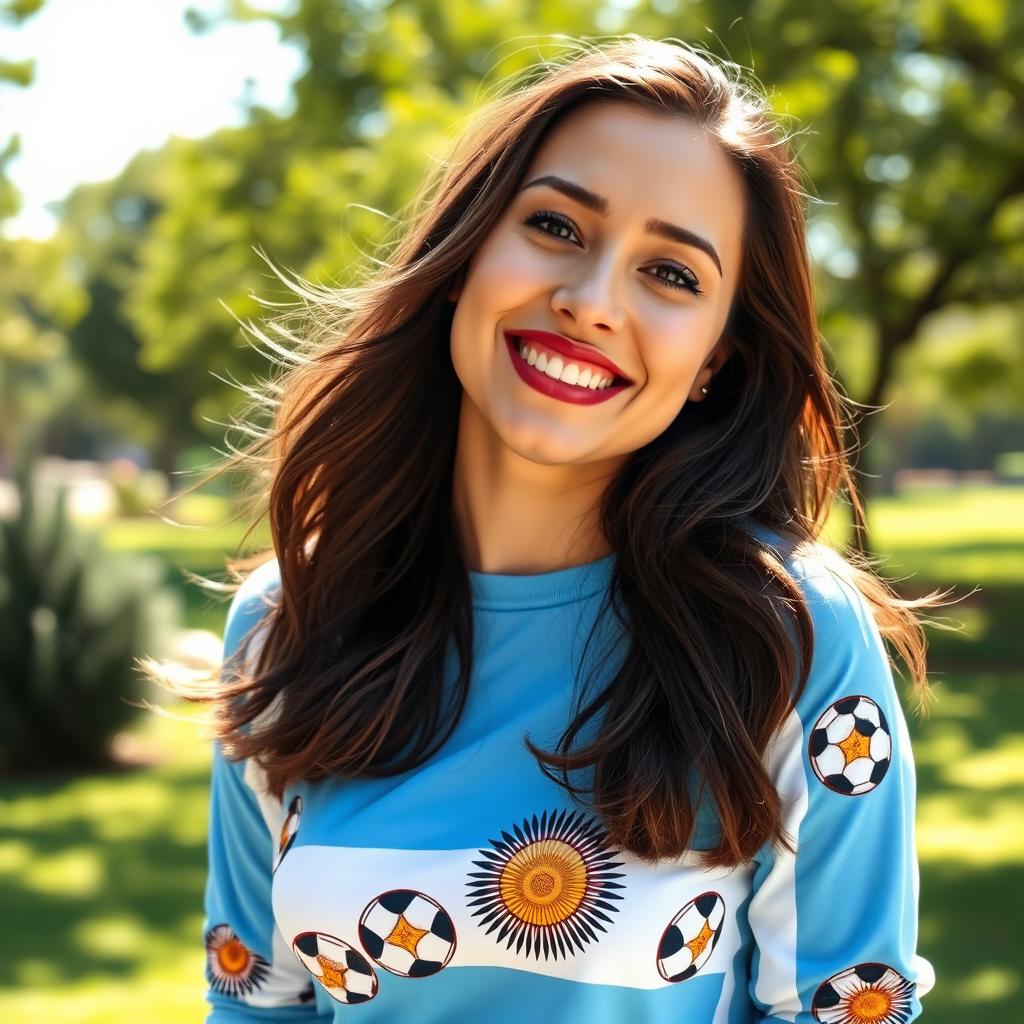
(836, 605)
(847, 725)
(849, 655)
(253, 599)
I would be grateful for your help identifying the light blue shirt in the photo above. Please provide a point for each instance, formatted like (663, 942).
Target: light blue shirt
(474, 888)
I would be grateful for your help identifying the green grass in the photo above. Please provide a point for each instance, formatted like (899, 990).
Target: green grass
(970, 771)
(201, 545)
(104, 874)
(104, 878)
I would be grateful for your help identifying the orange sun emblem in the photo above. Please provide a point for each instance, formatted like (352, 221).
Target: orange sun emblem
(548, 886)
(232, 967)
(866, 994)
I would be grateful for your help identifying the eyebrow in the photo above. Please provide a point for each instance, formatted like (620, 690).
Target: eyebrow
(598, 204)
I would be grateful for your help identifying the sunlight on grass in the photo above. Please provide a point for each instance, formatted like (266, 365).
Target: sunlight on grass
(77, 872)
(934, 520)
(118, 935)
(153, 535)
(959, 828)
(137, 803)
(988, 985)
(34, 973)
(169, 993)
(972, 534)
(14, 856)
(992, 769)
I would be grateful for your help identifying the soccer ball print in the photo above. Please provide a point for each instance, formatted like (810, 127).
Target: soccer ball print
(232, 968)
(288, 831)
(407, 933)
(850, 746)
(549, 886)
(340, 968)
(865, 994)
(690, 938)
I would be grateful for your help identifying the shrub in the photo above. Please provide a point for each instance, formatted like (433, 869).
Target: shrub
(73, 618)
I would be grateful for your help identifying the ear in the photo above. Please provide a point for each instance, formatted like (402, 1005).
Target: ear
(719, 354)
(456, 289)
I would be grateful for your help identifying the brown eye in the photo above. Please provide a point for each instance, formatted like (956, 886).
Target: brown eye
(547, 217)
(689, 282)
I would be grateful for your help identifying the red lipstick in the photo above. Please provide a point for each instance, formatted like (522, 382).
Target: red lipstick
(574, 350)
(540, 381)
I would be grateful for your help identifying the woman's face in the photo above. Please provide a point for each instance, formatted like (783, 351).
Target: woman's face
(598, 278)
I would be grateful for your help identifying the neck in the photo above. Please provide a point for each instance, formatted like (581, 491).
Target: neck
(520, 517)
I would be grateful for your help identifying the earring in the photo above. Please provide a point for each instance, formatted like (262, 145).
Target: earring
(703, 391)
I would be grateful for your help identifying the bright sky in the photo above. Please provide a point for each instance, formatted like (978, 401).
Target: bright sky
(116, 76)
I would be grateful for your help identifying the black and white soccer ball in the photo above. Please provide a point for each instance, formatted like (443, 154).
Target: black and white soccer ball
(340, 968)
(850, 746)
(407, 933)
(691, 936)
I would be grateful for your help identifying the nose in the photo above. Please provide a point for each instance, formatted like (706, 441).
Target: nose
(590, 298)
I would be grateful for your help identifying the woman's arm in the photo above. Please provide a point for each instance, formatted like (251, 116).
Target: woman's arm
(835, 925)
(252, 974)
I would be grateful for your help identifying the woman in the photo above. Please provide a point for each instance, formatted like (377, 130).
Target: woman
(548, 705)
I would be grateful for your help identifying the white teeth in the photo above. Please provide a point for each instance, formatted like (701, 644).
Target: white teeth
(568, 374)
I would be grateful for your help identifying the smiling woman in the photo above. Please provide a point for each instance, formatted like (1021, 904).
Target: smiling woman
(556, 475)
(578, 262)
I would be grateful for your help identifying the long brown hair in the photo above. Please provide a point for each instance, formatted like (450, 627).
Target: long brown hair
(356, 468)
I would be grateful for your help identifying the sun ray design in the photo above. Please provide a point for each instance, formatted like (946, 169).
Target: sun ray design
(231, 966)
(865, 994)
(547, 887)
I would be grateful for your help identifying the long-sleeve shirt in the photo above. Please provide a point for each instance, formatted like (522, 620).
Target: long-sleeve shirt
(473, 887)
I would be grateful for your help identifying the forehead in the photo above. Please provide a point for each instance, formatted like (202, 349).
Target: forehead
(648, 165)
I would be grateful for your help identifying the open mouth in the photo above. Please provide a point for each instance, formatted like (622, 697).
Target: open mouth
(590, 377)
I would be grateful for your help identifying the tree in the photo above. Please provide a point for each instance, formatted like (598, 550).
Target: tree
(907, 119)
(36, 297)
(914, 143)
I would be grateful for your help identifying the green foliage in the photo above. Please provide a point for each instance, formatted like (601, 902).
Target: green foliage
(906, 117)
(911, 141)
(37, 303)
(72, 620)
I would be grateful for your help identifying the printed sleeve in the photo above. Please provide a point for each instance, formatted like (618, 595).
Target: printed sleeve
(835, 924)
(251, 973)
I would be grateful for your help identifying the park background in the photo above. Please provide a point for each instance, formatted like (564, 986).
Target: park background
(123, 364)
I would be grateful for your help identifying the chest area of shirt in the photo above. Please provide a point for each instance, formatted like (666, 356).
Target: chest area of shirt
(545, 894)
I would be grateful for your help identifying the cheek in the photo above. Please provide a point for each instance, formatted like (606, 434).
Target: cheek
(506, 267)
(675, 348)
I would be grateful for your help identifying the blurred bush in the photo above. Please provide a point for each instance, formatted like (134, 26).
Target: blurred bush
(137, 491)
(73, 619)
(1010, 466)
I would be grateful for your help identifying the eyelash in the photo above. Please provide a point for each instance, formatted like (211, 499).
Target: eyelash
(689, 284)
